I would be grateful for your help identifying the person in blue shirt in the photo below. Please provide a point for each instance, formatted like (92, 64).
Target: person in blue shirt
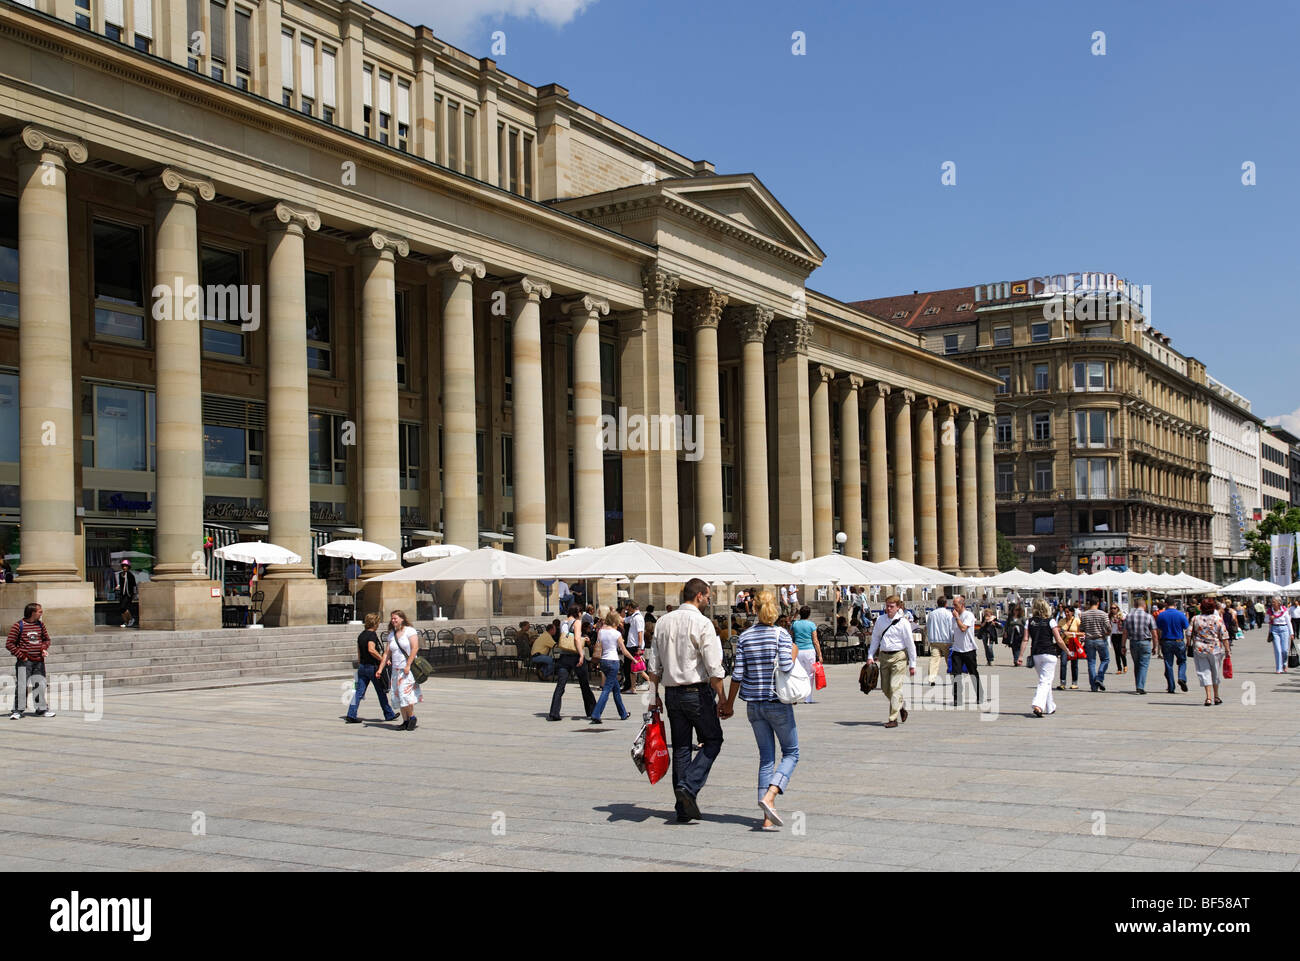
(810, 647)
(1172, 625)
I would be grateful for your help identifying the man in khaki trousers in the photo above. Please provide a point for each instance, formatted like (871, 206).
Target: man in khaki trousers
(938, 635)
(891, 638)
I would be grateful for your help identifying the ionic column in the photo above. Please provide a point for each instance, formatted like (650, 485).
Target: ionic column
(47, 424)
(851, 467)
(703, 309)
(524, 297)
(659, 289)
(878, 472)
(794, 508)
(969, 523)
(294, 594)
(822, 502)
(987, 498)
(948, 541)
(927, 504)
(459, 411)
(588, 451)
(381, 510)
(905, 519)
(752, 321)
(287, 453)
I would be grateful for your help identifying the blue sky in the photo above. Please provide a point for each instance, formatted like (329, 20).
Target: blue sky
(1129, 163)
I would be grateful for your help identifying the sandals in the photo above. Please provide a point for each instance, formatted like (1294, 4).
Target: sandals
(770, 813)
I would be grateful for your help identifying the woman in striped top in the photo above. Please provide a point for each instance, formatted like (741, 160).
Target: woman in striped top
(758, 651)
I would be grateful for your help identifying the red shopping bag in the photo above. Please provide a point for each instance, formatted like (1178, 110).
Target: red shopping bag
(1227, 667)
(819, 675)
(656, 748)
(1077, 652)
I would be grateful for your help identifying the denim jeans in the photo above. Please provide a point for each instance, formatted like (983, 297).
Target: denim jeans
(1174, 650)
(1140, 653)
(1073, 668)
(366, 677)
(546, 663)
(693, 710)
(1097, 648)
(30, 676)
(773, 721)
(611, 686)
(1281, 644)
(568, 665)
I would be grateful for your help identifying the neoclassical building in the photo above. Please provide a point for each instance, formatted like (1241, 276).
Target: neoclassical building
(295, 270)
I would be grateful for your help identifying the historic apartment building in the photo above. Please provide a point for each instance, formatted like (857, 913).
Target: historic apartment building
(1293, 459)
(295, 270)
(1274, 470)
(1102, 428)
(1234, 480)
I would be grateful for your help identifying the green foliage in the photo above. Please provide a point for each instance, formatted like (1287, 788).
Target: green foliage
(1007, 555)
(1280, 520)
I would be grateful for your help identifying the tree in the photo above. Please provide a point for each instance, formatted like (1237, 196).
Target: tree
(1280, 520)
(1008, 556)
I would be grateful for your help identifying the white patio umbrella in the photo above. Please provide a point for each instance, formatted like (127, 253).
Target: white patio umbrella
(257, 552)
(732, 568)
(639, 563)
(433, 552)
(914, 575)
(358, 551)
(487, 564)
(1251, 587)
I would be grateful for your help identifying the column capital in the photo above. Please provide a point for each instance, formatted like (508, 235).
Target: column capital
(283, 216)
(971, 416)
(586, 304)
(949, 411)
(50, 145)
(880, 389)
(659, 287)
(168, 182)
(752, 321)
(827, 374)
(792, 335)
(929, 403)
(466, 268)
(524, 287)
(853, 382)
(905, 398)
(703, 306)
(381, 243)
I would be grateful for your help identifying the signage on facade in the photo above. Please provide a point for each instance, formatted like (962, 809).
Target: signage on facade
(1091, 542)
(230, 511)
(1079, 284)
(117, 502)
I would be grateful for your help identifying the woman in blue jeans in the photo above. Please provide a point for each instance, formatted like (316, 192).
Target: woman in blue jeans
(760, 649)
(1279, 631)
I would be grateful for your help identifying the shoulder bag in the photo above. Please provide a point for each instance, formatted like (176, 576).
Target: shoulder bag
(568, 643)
(791, 686)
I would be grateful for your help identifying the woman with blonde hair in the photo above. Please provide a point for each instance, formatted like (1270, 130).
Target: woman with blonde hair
(1042, 642)
(401, 651)
(609, 645)
(1279, 632)
(760, 650)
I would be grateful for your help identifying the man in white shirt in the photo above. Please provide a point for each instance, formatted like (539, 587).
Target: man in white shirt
(892, 639)
(792, 592)
(686, 656)
(938, 634)
(635, 636)
(963, 647)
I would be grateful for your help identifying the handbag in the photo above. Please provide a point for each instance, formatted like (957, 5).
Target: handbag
(819, 675)
(568, 643)
(791, 686)
(1293, 658)
(1227, 667)
(869, 677)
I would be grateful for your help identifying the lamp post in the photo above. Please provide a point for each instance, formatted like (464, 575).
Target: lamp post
(840, 540)
(1031, 548)
(708, 530)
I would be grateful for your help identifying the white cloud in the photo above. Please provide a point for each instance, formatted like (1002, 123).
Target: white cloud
(461, 22)
(1289, 421)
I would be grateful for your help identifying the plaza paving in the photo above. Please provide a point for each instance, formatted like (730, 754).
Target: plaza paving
(276, 781)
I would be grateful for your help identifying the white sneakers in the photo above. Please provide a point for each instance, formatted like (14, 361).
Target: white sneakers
(16, 716)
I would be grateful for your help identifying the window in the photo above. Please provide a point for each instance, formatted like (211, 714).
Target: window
(1042, 476)
(226, 452)
(243, 47)
(217, 45)
(318, 321)
(1006, 478)
(119, 284)
(307, 75)
(286, 68)
(950, 343)
(194, 31)
(1041, 377)
(408, 456)
(1040, 332)
(514, 162)
(1003, 428)
(403, 115)
(507, 465)
(403, 335)
(327, 456)
(367, 100)
(1044, 523)
(225, 301)
(1090, 375)
(1042, 427)
(8, 418)
(728, 488)
(8, 260)
(479, 458)
(1093, 331)
(681, 385)
(328, 84)
(508, 361)
(470, 128)
(1091, 477)
(121, 429)
(1002, 336)
(113, 20)
(1003, 374)
(1091, 428)
(1006, 523)
(142, 30)
(384, 125)
(528, 166)
(453, 134)
(83, 14)
(501, 155)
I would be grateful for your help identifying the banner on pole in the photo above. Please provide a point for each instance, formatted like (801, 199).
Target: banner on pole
(1283, 549)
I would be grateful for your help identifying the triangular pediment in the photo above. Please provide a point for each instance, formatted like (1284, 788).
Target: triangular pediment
(743, 199)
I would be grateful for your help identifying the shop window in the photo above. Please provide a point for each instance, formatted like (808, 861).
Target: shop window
(119, 283)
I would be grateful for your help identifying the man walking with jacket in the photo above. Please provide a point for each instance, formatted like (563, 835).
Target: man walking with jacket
(28, 642)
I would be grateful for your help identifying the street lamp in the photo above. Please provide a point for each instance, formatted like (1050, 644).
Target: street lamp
(708, 530)
(840, 540)
(1031, 548)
